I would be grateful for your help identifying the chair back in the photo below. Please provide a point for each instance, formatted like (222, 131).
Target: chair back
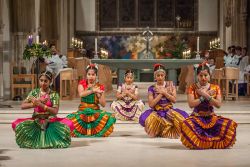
(231, 73)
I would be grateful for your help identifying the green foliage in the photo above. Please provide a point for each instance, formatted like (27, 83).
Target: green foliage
(171, 49)
(36, 50)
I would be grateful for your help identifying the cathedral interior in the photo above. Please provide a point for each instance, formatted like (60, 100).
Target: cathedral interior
(119, 35)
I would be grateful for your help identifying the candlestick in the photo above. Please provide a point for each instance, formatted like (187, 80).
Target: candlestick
(96, 55)
(198, 48)
(198, 44)
(95, 45)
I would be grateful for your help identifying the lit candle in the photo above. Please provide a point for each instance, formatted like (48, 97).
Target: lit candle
(198, 45)
(30, 40)
(81, 45)
(96, 46)
(161, 49)
(72, 41)
(213, 42)
(37, 39)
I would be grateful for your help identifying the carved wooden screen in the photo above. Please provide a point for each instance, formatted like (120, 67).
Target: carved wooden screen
(127, 13)
(108, 13)
(142, 13)
(185, 9)
(146, 13)
(165, 13)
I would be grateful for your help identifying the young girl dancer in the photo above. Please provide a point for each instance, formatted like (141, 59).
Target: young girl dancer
(162, 120)
(204, 129)
(89, 120)
(127, 106)
(44, 129)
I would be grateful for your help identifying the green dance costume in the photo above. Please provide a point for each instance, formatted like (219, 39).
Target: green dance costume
(43, 130)
(89, 120)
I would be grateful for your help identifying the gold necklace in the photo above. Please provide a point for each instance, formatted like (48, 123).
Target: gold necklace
(205, 86)
(128, 86)
(160, 86)
(44, 92)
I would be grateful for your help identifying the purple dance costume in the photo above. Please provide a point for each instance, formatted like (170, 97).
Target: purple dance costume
(162, 120)
(204, 129)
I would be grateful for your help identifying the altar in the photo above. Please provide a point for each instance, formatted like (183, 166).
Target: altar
(146, 64)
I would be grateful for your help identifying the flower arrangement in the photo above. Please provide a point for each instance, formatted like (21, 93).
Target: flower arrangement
(104, 54)
(37, 50)
(171, 49)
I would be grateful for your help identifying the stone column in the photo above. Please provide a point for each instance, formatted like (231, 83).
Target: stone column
(37, 17)
(227, 22)
(71, 22)
(243, 23)
(63, 26)
(239, 23)
(6, 51)
(235, 23)
(49, 17)
(23, 24)
(1, 51)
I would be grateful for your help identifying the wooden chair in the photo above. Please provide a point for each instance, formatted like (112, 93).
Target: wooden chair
(247, 78)
(21, 81)
(114, 77)
(217, 77)
(105, 77)
(231, 75)
(81, 65)
(68, 82)
(218, 56)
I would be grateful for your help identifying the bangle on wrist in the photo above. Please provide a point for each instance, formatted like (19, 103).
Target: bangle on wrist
(45, 108)
(201, 99)
(210, 98)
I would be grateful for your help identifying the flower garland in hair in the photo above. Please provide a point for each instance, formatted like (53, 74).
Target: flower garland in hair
(129, 72)
(159, 67)
(45, 74)
(203, 64)
(156, 65)
(92, 66)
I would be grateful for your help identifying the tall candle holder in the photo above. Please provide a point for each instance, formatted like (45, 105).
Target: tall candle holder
(186, 54)
(76, 43)
(214, 43)
(96, 52)
(198, 48)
